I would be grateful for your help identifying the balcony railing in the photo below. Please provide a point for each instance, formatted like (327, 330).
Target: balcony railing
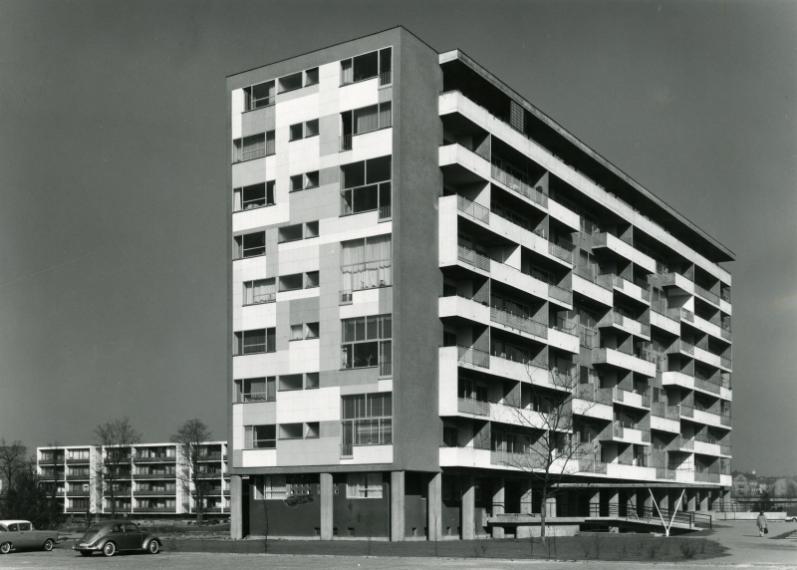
(77, 460)
(593, 393)
(155, 459)
(518, 322)
(707, 385)
(514, 180)
(682, 346)
(619, 395)
(662, 410)
(560, 294)
(681, 442)
(707, 476)
(686, 411)
(725, 361)
(707, 295)
(474, 356)
(563, 252)
(471, 257)
(472, 406)
(152, 492)
(155, 475)
(154, 509)
(473, 210)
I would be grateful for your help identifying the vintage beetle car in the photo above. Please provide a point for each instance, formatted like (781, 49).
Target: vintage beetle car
(20, 535)
(117, 536)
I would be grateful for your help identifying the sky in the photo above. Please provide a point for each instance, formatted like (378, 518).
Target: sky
(114, 165)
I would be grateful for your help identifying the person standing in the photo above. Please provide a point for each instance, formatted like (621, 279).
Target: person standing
(761, 522)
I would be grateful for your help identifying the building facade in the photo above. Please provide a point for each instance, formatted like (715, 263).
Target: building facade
(147, 478)
(423, 266)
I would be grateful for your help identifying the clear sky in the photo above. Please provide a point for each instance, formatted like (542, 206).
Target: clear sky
(114, 162)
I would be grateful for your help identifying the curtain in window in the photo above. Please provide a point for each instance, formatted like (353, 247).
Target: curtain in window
(366, 119)
(385, 118)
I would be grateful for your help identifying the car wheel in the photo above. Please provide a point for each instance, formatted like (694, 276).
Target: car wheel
(48, 545)
(84, 553)
(109, 549)
(153, 547)
(5, 548)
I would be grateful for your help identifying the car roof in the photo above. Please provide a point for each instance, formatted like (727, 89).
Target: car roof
(13, 521)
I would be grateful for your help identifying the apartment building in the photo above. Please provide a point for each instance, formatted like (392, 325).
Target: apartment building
(421, 261)
(147, 478)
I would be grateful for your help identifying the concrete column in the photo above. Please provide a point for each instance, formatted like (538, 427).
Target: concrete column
(396, 505)
(434, 507)
(646, 500)
(468, 508)
(614, 501)
(327, 493)
(664, 500)
(691, 500)
(594, 503)
(236, 508)
(526, 499)
(726, 499)
(499, 498)
(630, 502)
(713, 500)
(704, 500)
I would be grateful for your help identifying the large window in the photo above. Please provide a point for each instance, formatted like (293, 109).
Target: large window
(260, 95)
(256, 389)
(366, 66)
(366, 420)
(253, 146)
(259, 291)
(366, 263)
(260, 436)
(281, 487)
(255, 341)
(364, 486)
(367, 343)
(253, 196)
(365, 120)
(366, 186)
(249, 245)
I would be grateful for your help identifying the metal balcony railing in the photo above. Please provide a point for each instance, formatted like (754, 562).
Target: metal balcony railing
(513, 179)
(471, 257)
(473, 210)
(474, 356)
(519, 322)
(473, 406)
(707, 295)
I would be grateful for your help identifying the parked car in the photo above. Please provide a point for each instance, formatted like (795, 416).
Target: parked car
(117, 536)
(20, 535)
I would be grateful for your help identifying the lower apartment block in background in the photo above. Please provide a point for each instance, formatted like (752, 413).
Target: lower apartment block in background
(141, 479)
(423, 267)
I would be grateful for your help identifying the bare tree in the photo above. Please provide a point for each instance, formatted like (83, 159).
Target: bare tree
(115, 438)
(13, 461)
(548, 455)
(189, 440)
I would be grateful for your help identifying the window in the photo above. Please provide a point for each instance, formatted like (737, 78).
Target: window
(296, 132)
(366, 186)
(311, 230)
(249, 148)
(260, 437)
(257, 96)
(311, 330)
(256, 389)
(297, 332)
(366, 263)
(249, 245)
(254, 341)
(366, 66)
(304, 181)
(289, 233)
(291, 282)
(291, 431)
(311, 128)
(311, 77)
(280, 487)
(253, 196)
(311, 430)
(366, 343)
(311, 279)
(364, 486)
(366, 420)
(305, 331)
(259, 291)
(290, 82)
(311, 381)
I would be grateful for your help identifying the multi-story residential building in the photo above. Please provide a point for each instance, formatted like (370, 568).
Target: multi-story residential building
(148, 478)
(417, 252)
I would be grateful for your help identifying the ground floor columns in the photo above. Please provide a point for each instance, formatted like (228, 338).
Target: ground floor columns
(613, 500)
(630, 502)
(705, 500)
(396, 505)
(434, 507)
(236, 508)
(646, 500)
(594, 504)
(526, 499)
(468, 508)
(327, 492)
(499, 498)
(691, 500)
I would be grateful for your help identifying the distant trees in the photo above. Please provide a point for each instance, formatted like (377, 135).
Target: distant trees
(189, 440)
(23, 496)
(116, 438)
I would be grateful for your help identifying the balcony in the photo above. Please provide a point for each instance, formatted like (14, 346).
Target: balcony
(620, 433)
(154, 492)
(631, 290)
(473, 407)
(630, 471)
(711, 418)
(534, 371)
(707, 477)
(615, 319)
(154, 509)
(155, 459)
(624, 360)
(675, 378)
(632, 399)
(704, 446)
(78, 460)
(672, 279)
(681, 443)
(585, 283)
(154, 475)
(591, 401)
(210, 474)
(681, 347)
(624, 250)
(707, 386)
(707, 295)
(79, 476)
(518, 322)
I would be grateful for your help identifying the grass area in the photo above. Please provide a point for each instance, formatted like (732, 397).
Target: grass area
(588, 546)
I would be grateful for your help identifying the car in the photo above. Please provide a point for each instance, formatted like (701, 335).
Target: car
(19, 534)
(117, 536)
(792, 518)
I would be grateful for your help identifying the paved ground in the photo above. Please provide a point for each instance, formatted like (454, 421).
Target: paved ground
(747, 550)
